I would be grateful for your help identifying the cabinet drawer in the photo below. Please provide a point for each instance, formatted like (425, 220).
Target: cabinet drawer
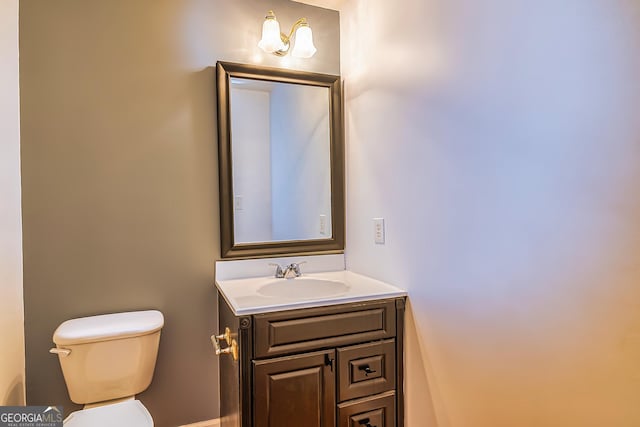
(297, 331)
(366, 369)
(374, 411)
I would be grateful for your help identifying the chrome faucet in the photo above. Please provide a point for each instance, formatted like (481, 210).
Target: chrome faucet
(291, 271)
(279, 273)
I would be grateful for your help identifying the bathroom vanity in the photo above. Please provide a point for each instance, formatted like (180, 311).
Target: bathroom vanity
(326, 364)
(325, 348)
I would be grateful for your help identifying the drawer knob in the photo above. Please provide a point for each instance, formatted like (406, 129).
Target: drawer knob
(367, 370)
(365, 422)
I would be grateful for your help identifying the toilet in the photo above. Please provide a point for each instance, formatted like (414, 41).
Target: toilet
(106, 360)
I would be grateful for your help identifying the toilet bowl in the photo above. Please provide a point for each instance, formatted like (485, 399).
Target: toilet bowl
(106, 360)
(130, 413)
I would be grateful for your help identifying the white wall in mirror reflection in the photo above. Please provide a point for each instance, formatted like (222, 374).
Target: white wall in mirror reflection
(251, 165)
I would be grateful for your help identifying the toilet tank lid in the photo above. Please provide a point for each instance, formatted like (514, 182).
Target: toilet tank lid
(108, 326)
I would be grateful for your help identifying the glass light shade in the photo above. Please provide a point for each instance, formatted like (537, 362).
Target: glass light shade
(304, 47)
(271, 41)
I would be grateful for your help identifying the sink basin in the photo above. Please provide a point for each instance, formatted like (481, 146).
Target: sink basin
(303, 288)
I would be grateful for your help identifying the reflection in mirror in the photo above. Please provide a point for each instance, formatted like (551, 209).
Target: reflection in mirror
(281, 161)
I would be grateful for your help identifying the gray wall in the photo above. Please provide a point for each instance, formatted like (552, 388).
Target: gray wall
(119, 168)
(300, 162)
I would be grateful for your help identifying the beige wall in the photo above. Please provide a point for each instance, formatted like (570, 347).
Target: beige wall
(11, 298)
(500, 140)
(120, 173)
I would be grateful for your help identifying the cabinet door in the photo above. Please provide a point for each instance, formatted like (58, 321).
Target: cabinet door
(295, 391)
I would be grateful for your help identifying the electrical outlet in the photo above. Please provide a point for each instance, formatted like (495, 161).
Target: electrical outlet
(323, 224)
(378, 230)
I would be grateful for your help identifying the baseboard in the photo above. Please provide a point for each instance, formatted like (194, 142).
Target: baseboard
(208, 423)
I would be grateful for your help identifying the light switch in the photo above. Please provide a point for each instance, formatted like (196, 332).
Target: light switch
(238, 203)
(378, 230)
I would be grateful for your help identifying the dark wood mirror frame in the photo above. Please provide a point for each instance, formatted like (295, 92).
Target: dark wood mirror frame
(228, 247)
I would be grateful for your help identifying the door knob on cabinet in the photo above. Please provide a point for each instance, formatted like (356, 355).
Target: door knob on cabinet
(365, 422)
(226, 336)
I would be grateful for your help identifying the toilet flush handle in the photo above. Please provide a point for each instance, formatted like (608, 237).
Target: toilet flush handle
(60, 351)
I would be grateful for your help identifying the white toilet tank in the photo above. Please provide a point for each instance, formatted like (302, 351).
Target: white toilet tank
(110, 356)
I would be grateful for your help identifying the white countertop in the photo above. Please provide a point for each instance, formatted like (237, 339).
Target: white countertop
(243, 297)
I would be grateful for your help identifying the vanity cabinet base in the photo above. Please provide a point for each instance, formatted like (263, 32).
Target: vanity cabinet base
(334, 366)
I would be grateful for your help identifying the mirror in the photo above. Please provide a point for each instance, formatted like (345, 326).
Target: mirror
(280, 157)
(281, 162)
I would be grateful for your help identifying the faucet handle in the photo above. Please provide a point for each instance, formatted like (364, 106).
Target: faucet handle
(295, 266)
(279, 271)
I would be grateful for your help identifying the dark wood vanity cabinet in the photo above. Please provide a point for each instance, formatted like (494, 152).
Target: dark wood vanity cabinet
(295, 390)
(333, 366)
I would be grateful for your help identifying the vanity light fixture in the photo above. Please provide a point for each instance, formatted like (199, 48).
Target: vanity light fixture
(273, 41)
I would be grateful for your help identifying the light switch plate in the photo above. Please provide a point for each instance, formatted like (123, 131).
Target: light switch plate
(378, 230)
(238, 203)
